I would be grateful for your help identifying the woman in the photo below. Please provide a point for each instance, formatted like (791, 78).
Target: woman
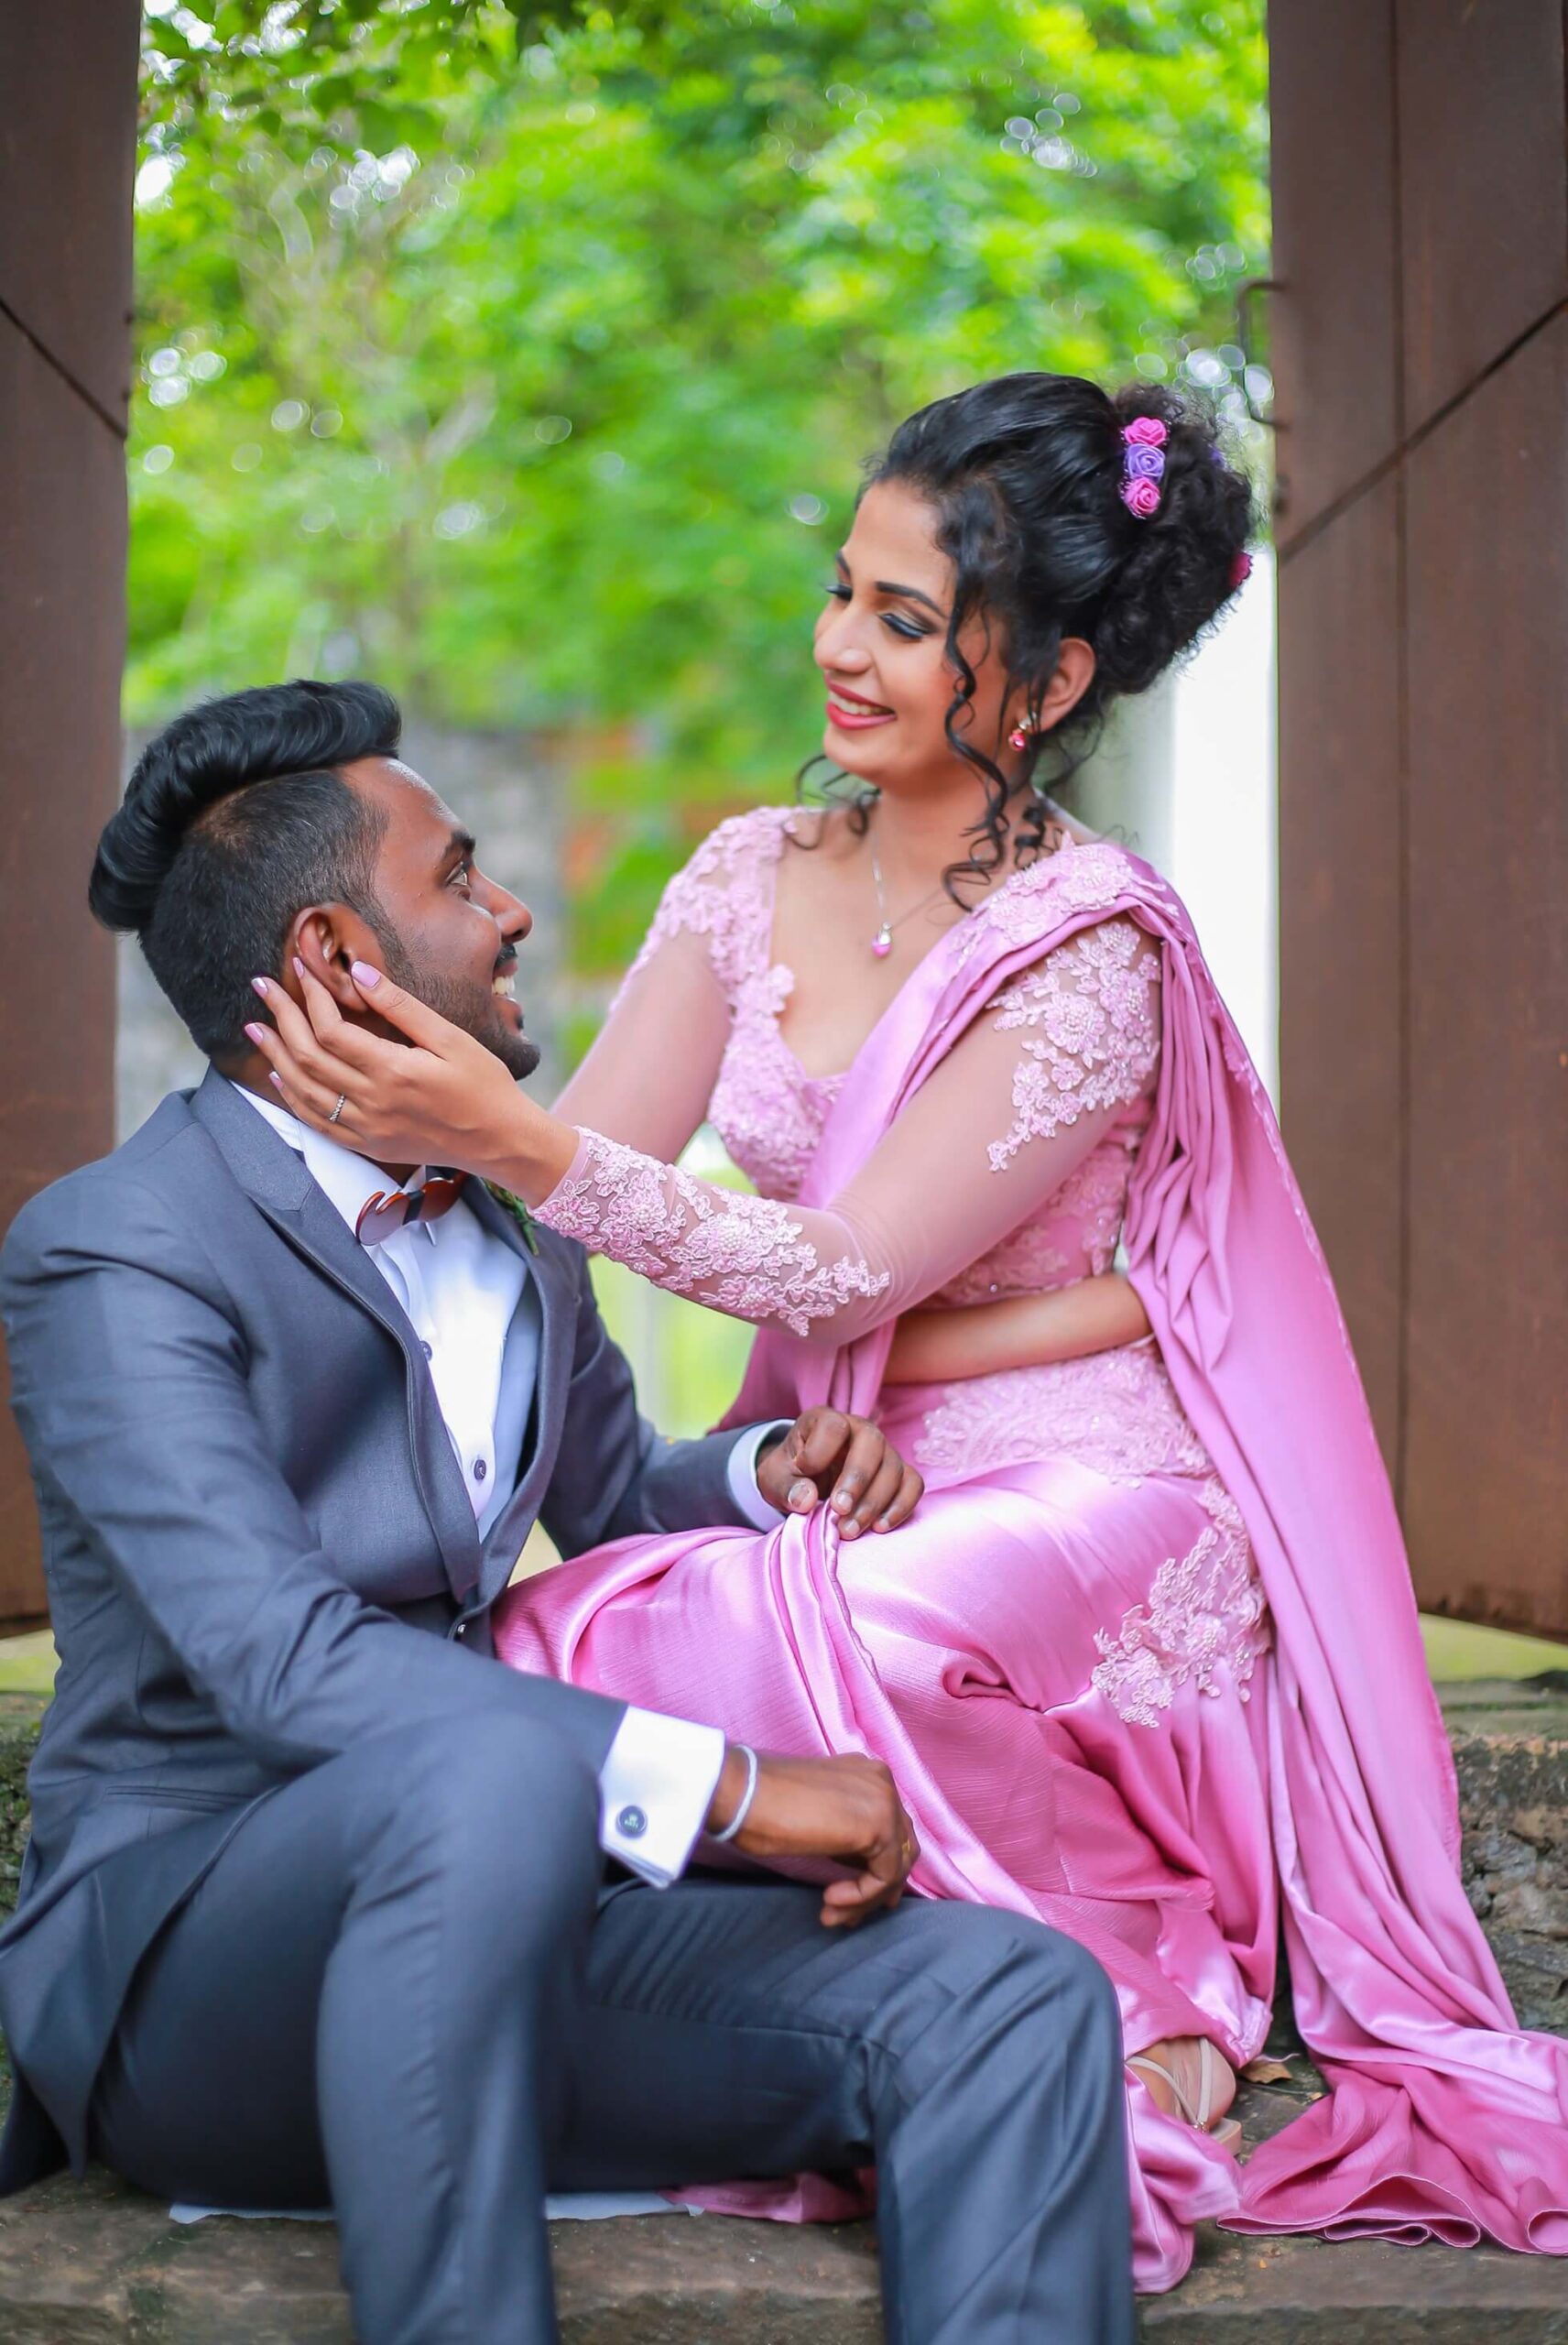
(1146, 1661)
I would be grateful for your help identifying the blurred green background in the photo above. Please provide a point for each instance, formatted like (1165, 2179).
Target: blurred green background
(528, 362)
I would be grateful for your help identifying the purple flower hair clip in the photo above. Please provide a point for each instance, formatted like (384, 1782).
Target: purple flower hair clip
(1143, 464)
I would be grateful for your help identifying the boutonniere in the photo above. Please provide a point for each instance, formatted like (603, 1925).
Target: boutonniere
(519, 1211)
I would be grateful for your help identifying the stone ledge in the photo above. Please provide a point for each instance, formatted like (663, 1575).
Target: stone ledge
(98, 2264)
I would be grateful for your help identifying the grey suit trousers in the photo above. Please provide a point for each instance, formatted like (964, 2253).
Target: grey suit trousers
(405, 1990)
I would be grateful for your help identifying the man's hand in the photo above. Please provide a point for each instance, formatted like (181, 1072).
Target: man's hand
(825, 1451)
(847, 1810)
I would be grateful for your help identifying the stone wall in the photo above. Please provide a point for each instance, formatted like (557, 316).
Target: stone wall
(19, 1716)
(1510, 1747)
(507, 790)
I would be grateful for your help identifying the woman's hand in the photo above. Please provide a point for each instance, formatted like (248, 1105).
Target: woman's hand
(440, 1097)
(938, 1347)
(825, 1451)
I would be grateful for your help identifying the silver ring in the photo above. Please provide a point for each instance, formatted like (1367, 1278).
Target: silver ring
(337, 1111)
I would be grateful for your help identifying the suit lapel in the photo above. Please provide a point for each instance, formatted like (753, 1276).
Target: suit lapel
(550, 1297)
(277, 1182)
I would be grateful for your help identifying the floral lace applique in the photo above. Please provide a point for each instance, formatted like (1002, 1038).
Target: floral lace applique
(1092, 1201)
(1072, 1236)
(1077, 878)
(1029, 1260)
(1114, 1412)
(724, 894)
(765, 1108)
(1205, 1612)
(1096, 998)
(741, 1255)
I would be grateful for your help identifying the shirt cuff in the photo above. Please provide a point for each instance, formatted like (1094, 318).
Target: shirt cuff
(655, 1787)
(741, 1474)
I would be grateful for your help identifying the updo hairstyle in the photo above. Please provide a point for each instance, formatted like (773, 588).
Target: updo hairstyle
(1025, 473)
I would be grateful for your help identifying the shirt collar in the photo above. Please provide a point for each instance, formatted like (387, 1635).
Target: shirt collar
(348, 1181)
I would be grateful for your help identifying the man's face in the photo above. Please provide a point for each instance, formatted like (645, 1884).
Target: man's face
(454, 933)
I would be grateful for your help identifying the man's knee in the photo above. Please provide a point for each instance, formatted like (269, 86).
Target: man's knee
(1002, 1961)
(1069, 1978)
(495, 1798)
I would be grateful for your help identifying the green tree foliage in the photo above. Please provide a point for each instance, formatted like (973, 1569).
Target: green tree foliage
(528, 362)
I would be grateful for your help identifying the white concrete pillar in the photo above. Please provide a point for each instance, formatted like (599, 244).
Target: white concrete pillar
(1186, 778)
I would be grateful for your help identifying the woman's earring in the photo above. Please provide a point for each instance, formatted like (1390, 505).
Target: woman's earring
(1018, 737)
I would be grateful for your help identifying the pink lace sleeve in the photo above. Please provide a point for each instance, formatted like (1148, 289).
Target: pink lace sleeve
(986, 1141)
(650, 1073)
(1090, 1014)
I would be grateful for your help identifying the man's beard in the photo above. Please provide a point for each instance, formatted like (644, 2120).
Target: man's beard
(473, 1009)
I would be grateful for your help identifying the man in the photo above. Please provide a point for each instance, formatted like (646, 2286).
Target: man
(321, 1904)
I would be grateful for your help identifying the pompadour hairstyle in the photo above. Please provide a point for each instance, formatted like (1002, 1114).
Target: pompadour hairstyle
(235, 819)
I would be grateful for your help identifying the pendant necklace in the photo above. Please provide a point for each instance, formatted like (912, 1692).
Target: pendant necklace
(882, 942)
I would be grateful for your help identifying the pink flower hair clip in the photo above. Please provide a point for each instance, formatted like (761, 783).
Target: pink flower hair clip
(1143, 465)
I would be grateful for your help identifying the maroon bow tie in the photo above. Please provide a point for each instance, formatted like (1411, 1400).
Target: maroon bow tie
(393, 1210)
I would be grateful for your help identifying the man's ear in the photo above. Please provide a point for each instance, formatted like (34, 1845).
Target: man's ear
(327, 937)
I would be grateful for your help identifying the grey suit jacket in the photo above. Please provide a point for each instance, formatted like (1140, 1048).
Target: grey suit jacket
(258, 1544)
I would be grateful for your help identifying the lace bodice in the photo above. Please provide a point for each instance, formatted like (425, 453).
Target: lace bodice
(765, 1108)
(1062, 1078)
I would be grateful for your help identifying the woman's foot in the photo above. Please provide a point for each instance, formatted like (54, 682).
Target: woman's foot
(1188, 2078)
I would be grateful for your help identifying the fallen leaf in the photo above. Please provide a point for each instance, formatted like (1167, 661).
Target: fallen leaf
(1267, 2072)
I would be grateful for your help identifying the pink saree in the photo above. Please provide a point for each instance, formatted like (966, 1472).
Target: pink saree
(1168, 1791)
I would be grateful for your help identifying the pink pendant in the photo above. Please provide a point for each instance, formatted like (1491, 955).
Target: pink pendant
(882, 942)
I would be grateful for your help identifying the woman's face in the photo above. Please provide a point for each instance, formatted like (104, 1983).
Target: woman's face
(881, 645)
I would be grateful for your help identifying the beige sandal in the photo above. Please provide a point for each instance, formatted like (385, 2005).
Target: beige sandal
(1225, 2132)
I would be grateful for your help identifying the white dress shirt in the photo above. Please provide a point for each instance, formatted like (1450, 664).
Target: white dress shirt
(465, 1293)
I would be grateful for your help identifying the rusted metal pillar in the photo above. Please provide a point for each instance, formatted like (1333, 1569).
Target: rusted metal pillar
(68, 110)
(1421, 356)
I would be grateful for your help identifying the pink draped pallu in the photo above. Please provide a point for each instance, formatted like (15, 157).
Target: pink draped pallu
(1443, 2119)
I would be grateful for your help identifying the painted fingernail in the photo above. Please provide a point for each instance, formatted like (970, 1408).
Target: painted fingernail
(299, 967)
(260, 986)
(364, 974)
(272, 1076)
(256, 1034)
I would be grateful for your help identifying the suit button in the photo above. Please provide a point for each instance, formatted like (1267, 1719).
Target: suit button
(461, 1630)
(631, 1824)
(480, 1469)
